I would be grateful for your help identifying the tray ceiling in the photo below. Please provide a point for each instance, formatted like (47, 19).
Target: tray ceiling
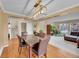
(25, 7)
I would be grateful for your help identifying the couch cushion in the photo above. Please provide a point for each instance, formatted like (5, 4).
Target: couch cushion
(71, 36)
(75, 33)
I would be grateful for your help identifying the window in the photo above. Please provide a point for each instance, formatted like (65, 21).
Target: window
(64, 28)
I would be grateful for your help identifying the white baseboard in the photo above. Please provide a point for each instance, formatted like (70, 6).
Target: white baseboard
(1, 49)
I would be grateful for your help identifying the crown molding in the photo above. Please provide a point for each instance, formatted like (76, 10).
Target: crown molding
(13, 13)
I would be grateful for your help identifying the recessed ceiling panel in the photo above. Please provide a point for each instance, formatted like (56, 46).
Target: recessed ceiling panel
(29, 8)
(57, 5)
(14, 5)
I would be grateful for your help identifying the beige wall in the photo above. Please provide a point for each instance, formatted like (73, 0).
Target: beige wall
(3, 29)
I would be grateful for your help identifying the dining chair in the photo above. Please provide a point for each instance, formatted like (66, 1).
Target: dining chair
(22, 43)
(24, 35)
(35, 33)
(40, 49)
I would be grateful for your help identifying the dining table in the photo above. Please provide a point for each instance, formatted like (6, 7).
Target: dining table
(31, 40)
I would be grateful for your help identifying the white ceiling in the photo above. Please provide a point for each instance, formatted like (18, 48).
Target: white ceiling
(24, 6)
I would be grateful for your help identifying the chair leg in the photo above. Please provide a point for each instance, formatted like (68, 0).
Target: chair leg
(26, 47)
(20, 49)
(45, 55)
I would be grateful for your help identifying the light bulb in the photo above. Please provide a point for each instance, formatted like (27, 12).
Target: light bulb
(42, 11)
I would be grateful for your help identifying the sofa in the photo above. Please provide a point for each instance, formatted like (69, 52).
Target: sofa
(78, 43)
(73, 37)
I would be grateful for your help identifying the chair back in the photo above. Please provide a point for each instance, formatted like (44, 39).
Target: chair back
(24, 34)
(43, 45)
(20, 40)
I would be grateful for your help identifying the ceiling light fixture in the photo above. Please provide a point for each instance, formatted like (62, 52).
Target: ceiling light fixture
(40, 9)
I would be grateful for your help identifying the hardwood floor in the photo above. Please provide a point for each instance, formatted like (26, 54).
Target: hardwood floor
(53, 52)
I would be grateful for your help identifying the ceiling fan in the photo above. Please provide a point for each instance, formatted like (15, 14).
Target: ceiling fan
(39, 3)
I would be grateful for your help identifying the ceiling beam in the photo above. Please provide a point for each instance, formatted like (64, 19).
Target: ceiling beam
(30, 11)
(25, 6)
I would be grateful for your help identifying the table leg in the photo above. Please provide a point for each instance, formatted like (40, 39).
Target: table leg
(30, 51)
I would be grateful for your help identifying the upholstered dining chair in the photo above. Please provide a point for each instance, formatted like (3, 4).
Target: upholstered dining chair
(24, 34)
(40, 49)
(22, 44)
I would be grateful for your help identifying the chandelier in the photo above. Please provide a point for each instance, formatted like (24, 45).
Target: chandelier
(39, 9)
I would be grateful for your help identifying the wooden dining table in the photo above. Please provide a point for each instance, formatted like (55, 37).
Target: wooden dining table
(31, 40)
